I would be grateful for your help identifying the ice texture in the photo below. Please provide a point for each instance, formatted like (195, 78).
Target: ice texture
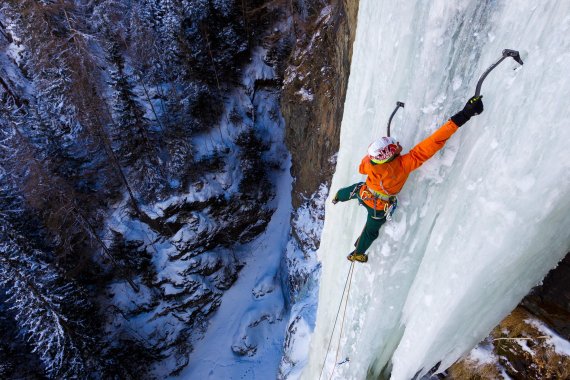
(481, 222)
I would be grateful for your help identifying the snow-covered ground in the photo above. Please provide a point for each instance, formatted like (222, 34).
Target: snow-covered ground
(303, 276)
(253, 313)
(561, 346)
(480, 223)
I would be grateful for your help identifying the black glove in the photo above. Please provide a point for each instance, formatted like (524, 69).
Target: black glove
(474, 106)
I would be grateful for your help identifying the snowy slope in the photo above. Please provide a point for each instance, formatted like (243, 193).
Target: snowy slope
(252, 316)
(244, 339)
(479, 224)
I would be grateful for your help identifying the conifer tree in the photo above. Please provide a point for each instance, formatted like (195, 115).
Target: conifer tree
(61, 27)
(134, 139)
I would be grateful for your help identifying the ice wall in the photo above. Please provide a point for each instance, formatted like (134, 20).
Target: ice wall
(479, 224)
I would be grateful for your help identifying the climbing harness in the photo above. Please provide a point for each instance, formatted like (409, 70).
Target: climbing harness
(379, 195)
(390, 201)
(346, 291)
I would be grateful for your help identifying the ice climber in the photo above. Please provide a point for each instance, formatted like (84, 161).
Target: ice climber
(387, 171)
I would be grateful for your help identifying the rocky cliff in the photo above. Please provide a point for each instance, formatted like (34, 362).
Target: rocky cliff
(530, 343)
(314, 90)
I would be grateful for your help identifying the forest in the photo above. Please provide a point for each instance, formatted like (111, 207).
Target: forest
(110, 107)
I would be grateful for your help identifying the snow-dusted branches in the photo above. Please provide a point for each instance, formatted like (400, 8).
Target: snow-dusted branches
(38, 297)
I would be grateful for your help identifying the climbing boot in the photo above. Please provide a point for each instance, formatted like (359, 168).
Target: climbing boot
(335, 199)
(360, 257)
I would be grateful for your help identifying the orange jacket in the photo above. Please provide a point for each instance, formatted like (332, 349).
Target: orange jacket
(390, 177)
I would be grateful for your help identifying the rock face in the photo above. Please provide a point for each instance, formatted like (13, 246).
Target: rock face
(551, 300)
(521, 347)
(314, 90)
(533, 342)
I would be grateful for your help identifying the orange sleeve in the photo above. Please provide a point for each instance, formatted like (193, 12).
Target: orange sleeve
(427, 148)
(363, 165)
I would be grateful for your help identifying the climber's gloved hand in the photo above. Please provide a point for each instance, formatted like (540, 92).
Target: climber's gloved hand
(474, 106)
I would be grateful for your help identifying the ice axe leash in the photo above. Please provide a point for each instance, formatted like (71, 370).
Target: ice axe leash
(514, 54)
(398, 105)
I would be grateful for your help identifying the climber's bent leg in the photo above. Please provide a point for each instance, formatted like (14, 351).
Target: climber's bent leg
(347, 193)
(371, 231)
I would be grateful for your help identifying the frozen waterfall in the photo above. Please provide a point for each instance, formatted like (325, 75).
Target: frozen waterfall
(479, 224)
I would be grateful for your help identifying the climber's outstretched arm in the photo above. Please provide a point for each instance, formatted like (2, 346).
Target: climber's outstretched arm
(427, 148)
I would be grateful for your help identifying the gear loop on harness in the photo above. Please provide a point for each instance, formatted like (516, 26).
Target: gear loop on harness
(390, 208)
(367, 194)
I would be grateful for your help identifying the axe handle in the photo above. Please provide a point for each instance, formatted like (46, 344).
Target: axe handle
(480, 83)
(398, 105)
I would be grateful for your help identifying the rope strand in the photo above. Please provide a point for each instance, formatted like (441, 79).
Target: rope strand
(342, 322)
(348, 277)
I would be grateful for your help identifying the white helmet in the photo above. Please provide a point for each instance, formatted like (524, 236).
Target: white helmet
(383, 149)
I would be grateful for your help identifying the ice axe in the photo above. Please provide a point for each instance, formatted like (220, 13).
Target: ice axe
(398, 105)
(514, 54)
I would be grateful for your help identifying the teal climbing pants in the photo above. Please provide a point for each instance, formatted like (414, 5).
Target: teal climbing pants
(374, 220)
